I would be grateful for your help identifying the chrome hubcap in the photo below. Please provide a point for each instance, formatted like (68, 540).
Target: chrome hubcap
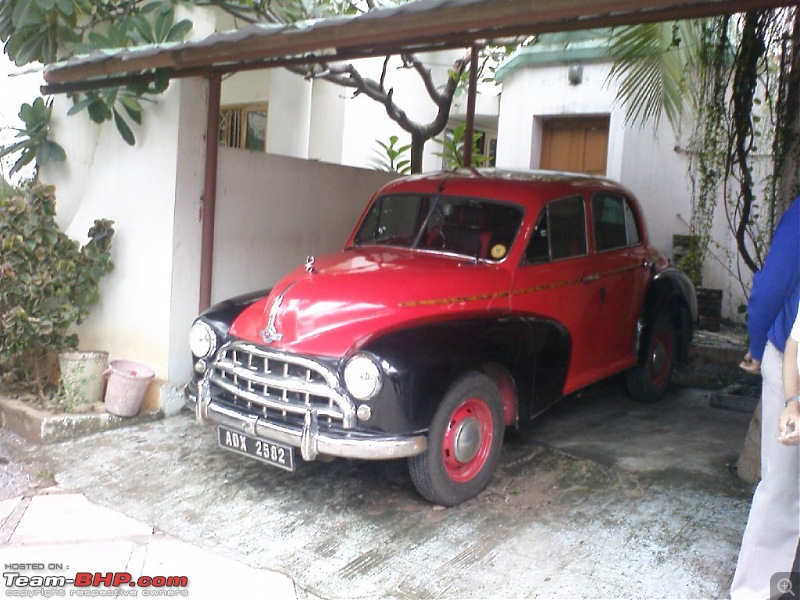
(467, 440)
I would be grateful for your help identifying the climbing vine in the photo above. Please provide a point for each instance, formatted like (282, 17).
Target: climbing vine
(745, 133)
(739, 78)
(785, 182)
(707, 163)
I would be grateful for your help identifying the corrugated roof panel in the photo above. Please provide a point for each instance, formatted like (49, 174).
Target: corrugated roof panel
(416, 26)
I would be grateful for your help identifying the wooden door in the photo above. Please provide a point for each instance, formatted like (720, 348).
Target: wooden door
(575, 144)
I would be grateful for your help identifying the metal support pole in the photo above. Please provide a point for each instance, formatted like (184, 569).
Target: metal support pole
(209, 207)
(469, 133)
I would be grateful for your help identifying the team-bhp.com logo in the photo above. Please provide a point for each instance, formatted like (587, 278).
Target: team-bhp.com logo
(116, 584)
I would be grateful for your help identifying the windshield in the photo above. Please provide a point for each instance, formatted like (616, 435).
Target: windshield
(480, 229)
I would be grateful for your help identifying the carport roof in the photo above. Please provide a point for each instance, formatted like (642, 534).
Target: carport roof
(418, 26)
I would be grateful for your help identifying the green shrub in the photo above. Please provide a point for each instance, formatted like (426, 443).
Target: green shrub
(47, 283)
(6, 189)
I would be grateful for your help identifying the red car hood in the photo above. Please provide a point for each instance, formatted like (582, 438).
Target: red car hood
(351, 296)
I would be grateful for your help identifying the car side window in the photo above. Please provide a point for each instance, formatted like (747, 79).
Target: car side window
(612, 217)
(560, 231)
(631, 226)
(539, 247)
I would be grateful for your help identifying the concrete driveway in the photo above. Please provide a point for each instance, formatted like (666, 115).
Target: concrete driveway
(601, 497)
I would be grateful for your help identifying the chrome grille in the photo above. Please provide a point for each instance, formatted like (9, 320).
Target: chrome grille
(280, 387)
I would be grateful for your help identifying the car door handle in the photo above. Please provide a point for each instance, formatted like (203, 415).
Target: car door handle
(648, 264)
(590, 278)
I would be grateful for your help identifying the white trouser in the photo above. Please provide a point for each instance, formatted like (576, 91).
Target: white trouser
(773, 528)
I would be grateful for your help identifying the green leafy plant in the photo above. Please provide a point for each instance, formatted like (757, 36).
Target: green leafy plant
(652, 68)
(453, 148)
(34, 30)
(114, 102)
(391, 157)
(50, 30)
(49, 283)
(69, 393)
(34, 139)
(153, 24)
(6, 189)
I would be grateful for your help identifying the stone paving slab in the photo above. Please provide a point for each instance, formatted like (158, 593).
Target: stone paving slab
(72, 518)
(61, 534)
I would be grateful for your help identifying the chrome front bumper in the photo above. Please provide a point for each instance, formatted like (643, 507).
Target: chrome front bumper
(310, 441)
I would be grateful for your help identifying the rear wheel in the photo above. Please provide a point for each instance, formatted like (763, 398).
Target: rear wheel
(649, 381)
(464, 443)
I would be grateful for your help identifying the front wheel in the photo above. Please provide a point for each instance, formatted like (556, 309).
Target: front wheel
(464, 443)
(649, 381)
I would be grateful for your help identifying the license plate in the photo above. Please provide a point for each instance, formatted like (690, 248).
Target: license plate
(271, 453)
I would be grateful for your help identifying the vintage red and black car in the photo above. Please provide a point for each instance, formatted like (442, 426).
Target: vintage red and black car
(462, 303)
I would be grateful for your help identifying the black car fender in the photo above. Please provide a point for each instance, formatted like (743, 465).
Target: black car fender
(672, 293)
(526, 355)
(220, 316)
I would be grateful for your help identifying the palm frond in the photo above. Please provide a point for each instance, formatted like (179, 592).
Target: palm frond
(652, 67)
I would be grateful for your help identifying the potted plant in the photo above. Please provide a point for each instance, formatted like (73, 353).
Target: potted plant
(49, 283)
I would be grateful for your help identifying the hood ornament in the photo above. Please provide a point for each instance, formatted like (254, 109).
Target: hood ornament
(270, 333)
(310, 264)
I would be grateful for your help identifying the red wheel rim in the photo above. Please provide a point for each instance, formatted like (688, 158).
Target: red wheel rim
(468, 440)
(660, 359)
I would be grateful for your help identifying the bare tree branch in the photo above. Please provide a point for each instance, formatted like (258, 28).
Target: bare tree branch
(426, 76)
(383, 72)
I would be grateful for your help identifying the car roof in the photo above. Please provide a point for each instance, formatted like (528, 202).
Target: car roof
(529, 188)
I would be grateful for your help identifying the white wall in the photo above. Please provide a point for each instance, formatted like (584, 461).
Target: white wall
(324, 121)
(327, 134)
(288, 98)
(658, 175)
(103, 177)
(289, 118)
(532, 94)
(245, 87)
(152, 192)
(273, 211)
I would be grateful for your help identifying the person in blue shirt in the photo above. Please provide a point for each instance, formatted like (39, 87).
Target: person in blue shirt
(771, 537)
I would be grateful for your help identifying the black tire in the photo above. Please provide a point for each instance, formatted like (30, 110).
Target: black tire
(649, 381)
(464, 442)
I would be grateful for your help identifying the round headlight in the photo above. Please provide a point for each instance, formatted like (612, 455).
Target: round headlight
(363, 377)
(202, 340)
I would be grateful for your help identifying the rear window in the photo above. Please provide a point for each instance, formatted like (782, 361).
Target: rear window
(614, 223)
